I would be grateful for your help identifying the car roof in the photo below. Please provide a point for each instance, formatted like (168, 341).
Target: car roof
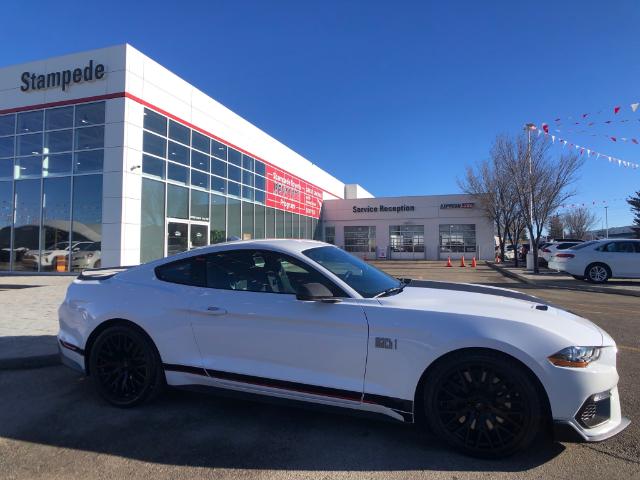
(289, 245)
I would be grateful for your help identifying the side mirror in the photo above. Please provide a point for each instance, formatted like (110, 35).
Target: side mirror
(315, 292)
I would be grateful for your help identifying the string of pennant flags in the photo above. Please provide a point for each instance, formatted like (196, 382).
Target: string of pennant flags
(583, 117)
(592, 203)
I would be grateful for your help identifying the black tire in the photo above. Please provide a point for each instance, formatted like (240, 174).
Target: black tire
(125, 367)
(483, 404)
(597, 273)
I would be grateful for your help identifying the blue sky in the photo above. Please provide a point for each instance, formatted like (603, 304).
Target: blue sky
(396, 96)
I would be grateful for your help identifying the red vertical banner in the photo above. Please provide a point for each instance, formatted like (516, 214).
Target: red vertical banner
(292, 194)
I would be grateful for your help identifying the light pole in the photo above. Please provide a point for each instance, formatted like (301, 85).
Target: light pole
(528, 127)
(606, 219)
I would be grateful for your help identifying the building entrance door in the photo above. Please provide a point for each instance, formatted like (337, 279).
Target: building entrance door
(177, 237)
(198, 235)
(406, 242)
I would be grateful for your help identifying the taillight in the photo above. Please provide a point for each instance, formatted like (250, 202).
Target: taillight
(546, 250)
(565, 255)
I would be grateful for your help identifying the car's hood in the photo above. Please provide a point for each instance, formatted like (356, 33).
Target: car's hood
(498, 303)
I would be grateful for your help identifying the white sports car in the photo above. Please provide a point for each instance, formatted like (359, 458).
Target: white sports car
(486, 369)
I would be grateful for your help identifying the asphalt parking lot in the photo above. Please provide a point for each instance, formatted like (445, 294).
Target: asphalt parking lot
(53, 426)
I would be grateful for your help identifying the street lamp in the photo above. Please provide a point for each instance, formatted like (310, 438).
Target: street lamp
(606, 218)
(529, 127)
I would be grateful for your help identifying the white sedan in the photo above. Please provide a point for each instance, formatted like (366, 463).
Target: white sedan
(599, 260)
(485, 369)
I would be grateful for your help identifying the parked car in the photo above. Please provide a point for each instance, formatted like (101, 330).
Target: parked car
(509, 252)
(47, 257)
(548, 249)
(487, 368)
(599, 260)
(86, 255)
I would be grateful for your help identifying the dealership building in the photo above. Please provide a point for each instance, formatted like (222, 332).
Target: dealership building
(107, 158)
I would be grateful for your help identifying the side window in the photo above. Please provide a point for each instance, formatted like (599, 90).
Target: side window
(262, 271)
(190, 271)
(625, 247)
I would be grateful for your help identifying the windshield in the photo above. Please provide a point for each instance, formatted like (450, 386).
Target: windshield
(580, 246)
(368, 281)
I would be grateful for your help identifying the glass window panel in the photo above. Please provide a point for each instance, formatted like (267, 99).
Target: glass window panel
(154, 144)
(259, 221)
(233, 189)
(178, 173)
(7, 124)
(26, 236)
(6, 146)
(6, 168)
(155, 122)
(457, 238)
(29, 144)
(279, 223)
(247, 162)
(260, 182)
(235, 174)
(152, 220)
(153, 166)
(178, 153)
(179, 132)
(59, 164)
(217, 226)
(259, 196)
(247, 221)
(260, 168)
(199, 179)
(247, 178)
(303, 227)
(199, 206)
(233, 221)
(288, 224)
(87, 213)
(177, 201)
(6, 219)
(200, 141)
(218, 149)
(88, 161)
(199, 160)
(317, 235)
(218, 184)
(270, 225)
(234, 156)
(30, 121)
(310, 228)
(58, 118)
(330, 234)
(56, 224)
(406, 238)
(296, 226)
(89, 114)
(58, 141)
(219, 168)
(91, 137)
(247, 193)
(28, 167)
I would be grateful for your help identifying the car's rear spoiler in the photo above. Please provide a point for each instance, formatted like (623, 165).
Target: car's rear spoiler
(101, 273)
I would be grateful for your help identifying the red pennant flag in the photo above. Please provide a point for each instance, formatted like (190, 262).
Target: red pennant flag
(616, 109)
(613, 138)
(634, 141)
(584, 115)
(545, 127)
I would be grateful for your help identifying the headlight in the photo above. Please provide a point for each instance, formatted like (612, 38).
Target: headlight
(576, 357)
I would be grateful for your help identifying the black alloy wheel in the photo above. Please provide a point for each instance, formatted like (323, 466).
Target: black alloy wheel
(483, 404)
(125, 367)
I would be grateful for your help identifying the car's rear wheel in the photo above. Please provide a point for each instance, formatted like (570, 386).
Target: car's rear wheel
(125, 367)
(597, 273)
(482, 404)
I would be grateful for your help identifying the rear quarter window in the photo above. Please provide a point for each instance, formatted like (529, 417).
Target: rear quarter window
(189, 271)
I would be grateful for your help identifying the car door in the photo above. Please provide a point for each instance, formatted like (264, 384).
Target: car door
(626, 259)
(251, 329)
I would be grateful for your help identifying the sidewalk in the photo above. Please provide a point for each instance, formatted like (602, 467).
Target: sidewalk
(552, 279)
(29, 319)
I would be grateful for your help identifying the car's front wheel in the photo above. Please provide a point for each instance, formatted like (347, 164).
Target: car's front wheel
(597, 273)
(483, 404)
(125, 366)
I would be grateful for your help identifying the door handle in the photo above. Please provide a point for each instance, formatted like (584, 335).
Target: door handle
(216, 311)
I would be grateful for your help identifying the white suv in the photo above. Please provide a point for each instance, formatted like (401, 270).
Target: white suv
(600, 260)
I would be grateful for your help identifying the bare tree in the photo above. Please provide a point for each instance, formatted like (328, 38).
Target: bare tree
(556, 227)
(534, 174)
(578, 221)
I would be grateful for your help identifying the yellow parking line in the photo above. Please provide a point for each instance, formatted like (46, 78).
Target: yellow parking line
(633, 349)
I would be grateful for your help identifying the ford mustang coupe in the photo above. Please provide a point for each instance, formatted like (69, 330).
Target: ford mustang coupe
(485, 369)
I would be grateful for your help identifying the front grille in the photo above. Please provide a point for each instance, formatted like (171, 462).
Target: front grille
(594, 412)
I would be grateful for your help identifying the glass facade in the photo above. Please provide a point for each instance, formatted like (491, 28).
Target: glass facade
(406, 238)
(202, 183)
(51, 163)
(360, 239)
(458, 238)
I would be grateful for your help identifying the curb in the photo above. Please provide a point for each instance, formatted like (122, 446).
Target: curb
(586, 288)
(27, 363)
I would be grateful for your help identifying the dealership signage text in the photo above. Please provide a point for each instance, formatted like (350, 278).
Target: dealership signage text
(384, 208)
(63, 78)
(457, 205)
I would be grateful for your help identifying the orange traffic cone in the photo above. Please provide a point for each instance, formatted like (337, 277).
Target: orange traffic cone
(449, 262)
(462, 262)
(474, 264)
(497, 258)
